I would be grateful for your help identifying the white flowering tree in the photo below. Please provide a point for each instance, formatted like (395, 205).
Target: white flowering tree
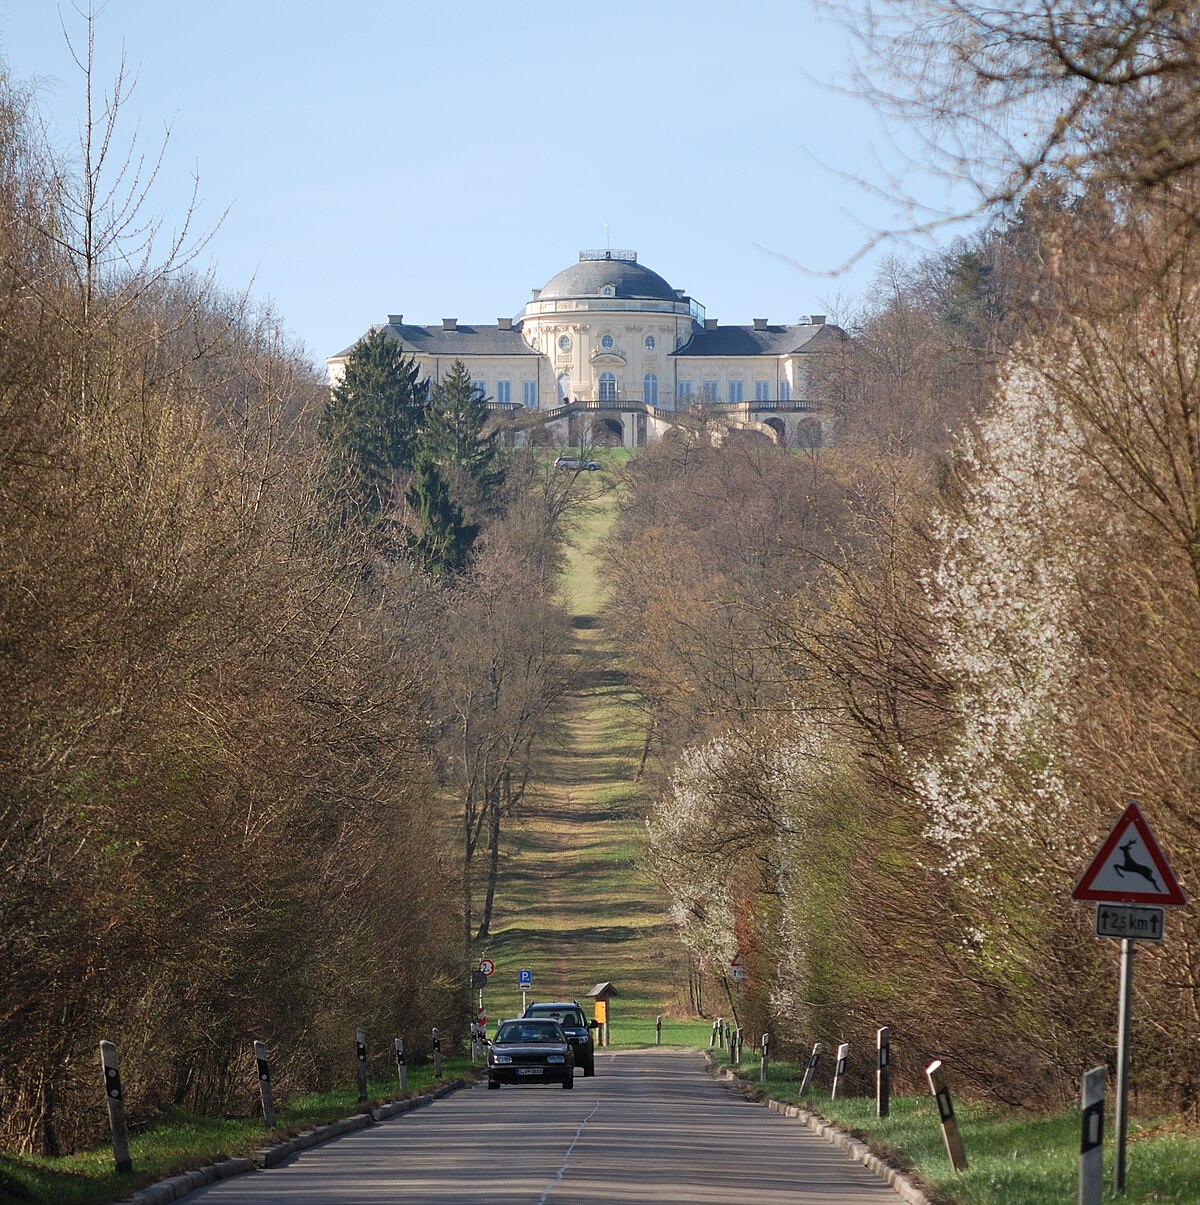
(1005, 594)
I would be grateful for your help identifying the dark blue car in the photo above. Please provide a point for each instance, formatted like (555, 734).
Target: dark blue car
(569, 1014)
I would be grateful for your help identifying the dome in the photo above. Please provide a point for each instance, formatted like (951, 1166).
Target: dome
(618, 269)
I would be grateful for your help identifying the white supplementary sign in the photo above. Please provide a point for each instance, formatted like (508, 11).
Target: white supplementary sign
(1138, 922)
(1130, 868)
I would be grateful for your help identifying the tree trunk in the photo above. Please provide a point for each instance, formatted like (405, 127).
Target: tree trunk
(493, 856)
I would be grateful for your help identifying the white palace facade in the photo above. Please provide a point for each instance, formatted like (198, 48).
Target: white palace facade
(609, 338)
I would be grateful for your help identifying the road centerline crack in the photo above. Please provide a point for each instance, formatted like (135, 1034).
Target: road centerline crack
(558, 1175)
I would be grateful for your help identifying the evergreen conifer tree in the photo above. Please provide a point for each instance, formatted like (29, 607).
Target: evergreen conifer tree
(371, 426)
(442, 542)
(455, 435)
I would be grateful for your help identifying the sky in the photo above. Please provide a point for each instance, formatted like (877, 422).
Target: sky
(435, 160)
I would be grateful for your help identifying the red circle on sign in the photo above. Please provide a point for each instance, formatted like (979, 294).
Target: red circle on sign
(487, 966)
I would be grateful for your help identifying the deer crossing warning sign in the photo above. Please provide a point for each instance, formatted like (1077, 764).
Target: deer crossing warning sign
(1130, 868)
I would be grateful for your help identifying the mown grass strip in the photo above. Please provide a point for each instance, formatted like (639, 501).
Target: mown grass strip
(180, 1141)
(1014, 1158)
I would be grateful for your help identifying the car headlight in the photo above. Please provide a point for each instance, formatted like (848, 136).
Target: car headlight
(502, 1058)
(556, 1058)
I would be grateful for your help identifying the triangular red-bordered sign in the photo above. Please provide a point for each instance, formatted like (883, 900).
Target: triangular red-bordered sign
(1130, 868)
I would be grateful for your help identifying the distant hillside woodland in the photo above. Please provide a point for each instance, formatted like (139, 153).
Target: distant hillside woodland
(902, 688)
(251, 640)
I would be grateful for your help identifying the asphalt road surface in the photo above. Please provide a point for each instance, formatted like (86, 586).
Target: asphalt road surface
(650, 1126)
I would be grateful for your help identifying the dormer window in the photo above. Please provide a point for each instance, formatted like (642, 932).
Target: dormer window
(608, 291)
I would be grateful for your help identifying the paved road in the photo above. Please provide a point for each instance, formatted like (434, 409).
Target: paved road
(651, 1126)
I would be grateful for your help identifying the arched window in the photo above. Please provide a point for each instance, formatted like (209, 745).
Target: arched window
(564, 386)
(650, 389)
(608, 387)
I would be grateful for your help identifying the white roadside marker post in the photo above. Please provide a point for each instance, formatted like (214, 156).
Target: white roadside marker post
(116, 1108)
(401, 1066)
(883, 1073)
(360, 1045)
(941, 1094)
(1091, 1145)
(811, 1069)
(264, 1083)
(839, 1070)
(712, 1041)
(766, 1049)
(658, 1031)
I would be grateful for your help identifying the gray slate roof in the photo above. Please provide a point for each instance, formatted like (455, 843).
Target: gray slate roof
(466, 340)
(589, 276)
(771, 341)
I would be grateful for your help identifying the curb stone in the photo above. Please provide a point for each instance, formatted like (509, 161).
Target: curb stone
(858, 1151)
(172, 1189)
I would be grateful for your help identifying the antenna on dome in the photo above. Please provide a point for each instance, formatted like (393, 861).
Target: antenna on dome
(607, 241)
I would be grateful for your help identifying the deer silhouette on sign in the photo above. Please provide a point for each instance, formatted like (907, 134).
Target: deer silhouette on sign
(1134, 867)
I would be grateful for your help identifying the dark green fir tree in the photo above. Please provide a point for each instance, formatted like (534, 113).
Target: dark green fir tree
(371, 427)
(441, 543)
(456, 436)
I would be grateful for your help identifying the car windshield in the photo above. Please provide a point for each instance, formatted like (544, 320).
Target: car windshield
(530, 1031)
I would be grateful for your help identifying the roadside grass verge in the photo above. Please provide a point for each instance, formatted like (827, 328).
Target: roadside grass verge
(1013, 1157)
(180, 1141)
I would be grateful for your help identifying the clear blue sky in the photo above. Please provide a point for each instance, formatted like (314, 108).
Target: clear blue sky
(442, 159)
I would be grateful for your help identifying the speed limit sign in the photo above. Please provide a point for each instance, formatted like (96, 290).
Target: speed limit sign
(486, 966)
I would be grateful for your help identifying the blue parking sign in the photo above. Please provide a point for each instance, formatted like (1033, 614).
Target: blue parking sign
(524, 978)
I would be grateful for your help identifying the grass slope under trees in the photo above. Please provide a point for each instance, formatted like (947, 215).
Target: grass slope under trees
(575, 905)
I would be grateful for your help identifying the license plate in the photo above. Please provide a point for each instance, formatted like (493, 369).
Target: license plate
(529, 1071)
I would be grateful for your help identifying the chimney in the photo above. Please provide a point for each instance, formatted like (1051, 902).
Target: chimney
(449, 324)
(505, 324)
(396, 319)
(817, 319)
(760, 324)
(710, 324)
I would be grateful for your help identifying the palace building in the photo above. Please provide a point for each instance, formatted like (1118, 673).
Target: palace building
(608, 335)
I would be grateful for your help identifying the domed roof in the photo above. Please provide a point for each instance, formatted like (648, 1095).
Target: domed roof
(596, 269)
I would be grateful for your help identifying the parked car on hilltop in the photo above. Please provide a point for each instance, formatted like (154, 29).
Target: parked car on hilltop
(577, 463)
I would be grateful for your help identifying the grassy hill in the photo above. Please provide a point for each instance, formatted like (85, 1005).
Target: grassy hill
(573, 902)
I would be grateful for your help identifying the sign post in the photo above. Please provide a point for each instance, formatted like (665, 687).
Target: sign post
(1130, 882)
